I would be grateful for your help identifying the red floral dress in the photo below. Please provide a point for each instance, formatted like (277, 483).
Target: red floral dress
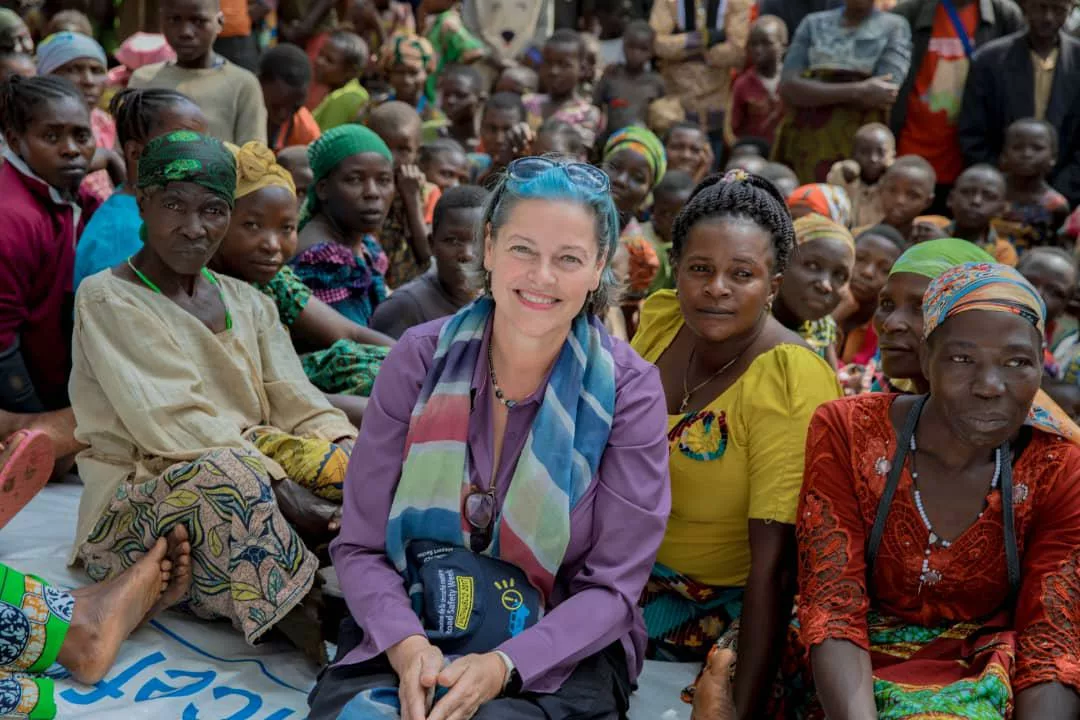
(942, 647)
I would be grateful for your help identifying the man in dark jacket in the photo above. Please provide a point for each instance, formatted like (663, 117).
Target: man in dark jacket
(1034, 73)
(925, 114)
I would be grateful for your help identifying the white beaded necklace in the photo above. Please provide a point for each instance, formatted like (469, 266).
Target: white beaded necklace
(929, 576)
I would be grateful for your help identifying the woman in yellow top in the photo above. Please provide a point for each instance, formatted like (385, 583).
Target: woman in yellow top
(741, 390)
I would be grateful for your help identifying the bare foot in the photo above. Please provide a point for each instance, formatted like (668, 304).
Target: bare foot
(303, 626)
(106, 613)
(179, 555)
(712, 697)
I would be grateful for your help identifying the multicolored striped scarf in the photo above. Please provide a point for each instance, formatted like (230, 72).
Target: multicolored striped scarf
(556, 465)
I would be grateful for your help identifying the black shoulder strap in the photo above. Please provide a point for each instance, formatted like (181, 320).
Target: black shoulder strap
(903, 441)
(1008, 519)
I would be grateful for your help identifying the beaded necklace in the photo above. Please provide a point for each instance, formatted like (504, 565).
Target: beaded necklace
(929, 576)
(205, 273)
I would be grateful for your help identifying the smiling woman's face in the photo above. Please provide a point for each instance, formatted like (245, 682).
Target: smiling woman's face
(544, 260)
(984, 369)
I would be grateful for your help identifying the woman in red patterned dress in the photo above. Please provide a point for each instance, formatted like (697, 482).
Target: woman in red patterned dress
(958, 594)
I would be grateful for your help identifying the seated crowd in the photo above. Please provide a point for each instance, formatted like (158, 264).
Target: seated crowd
(466, 319)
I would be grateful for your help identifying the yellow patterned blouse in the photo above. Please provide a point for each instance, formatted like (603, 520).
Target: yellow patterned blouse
(739, 458)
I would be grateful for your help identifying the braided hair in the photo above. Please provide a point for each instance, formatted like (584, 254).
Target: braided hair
(21, 99)
(738, 195)
(137, 112)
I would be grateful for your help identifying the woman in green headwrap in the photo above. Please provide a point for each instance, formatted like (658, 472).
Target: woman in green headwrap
(635, 161)
(339, 257)
(183, 383)
(898, 322)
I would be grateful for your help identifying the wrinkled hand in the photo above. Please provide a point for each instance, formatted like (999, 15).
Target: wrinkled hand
(706, 162)
(521, 139)
(417, 664)
(878, 92)
(473, 680)
(923, 231)
(410, 184)
(713, 697)
(850, 170)
(364, 16)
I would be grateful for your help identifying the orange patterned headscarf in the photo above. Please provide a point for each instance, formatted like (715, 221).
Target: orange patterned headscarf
(981, 286)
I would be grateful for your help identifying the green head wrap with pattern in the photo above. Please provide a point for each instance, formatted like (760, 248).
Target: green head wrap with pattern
(186, 156)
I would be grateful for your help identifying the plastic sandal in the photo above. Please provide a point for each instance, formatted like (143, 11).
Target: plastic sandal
(26, 462)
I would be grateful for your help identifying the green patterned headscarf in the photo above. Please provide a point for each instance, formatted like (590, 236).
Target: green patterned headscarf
(645, 143)
(933, 257)
(186, 156)
(330, 149)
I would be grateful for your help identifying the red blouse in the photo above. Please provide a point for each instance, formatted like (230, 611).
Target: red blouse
(849, 448)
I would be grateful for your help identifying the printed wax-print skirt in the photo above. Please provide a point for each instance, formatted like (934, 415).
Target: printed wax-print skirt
(319, 465)
(345, 368)
(947, 672)
(810, 140)
(685, 619)
(248, 564)
(34, 619)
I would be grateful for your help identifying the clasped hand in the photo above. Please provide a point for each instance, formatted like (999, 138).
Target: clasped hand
(471, 681)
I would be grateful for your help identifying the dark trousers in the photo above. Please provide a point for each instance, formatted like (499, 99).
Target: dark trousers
(240, 50)
(598, 689)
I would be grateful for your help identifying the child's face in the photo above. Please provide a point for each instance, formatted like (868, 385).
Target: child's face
(817, 274)
(638, 49)
(905, 194)
(631, 179)
(12, 65)
(59, 144)
(561, 69)
(447, 170)
(261, 236)
(452, 245)
(282, 100)
(331, 67)
(404, 143)
(557, 143)
(874, 258)
(495, 127)
(1054, 278)
(408, 82)
(520, 81)
(685, 149)
(21, 40)
(666, 206)
(874, 151)
(765, 47)
(191, 26)
(88, 75)
(977, 197)
(458, 97)
(357, 193)
(1028, 151)
(302, 176)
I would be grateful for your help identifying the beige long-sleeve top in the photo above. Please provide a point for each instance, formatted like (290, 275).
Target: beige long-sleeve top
(700, 76)
(151, 385)
(229, 96)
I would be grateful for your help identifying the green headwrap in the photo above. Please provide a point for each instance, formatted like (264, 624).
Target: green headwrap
(642, 141)
(186, 156)
(930, 259)
(330, 149)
